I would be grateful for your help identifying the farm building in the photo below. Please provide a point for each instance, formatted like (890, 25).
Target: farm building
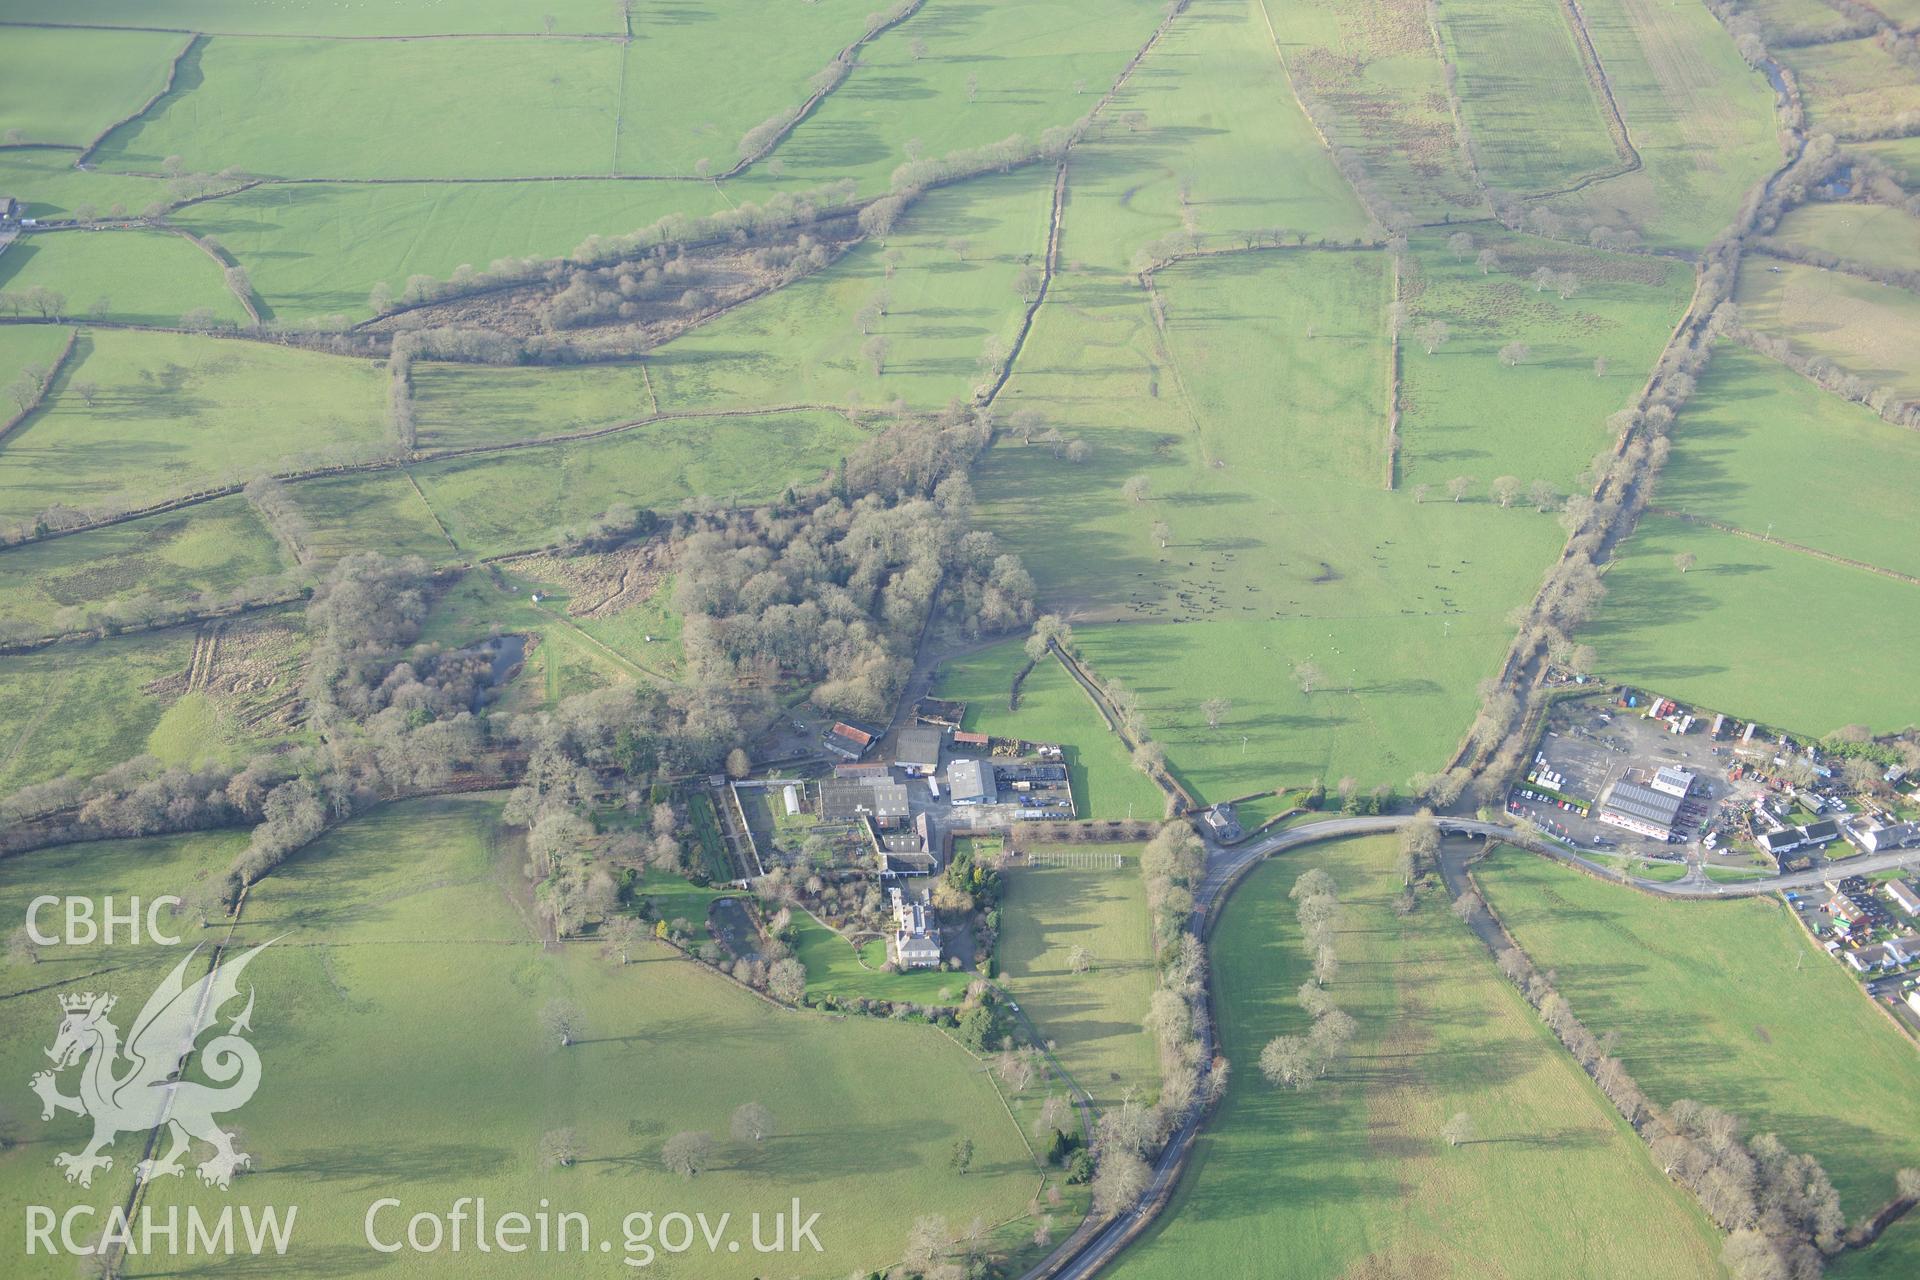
(9, 209)
(1672, 781)
(970, 783)
(851, 799)
(1640, 809)
(971, 741)
(871, 772)
(915, 941)
(918, 751)
(847, 741)
(1904, 897)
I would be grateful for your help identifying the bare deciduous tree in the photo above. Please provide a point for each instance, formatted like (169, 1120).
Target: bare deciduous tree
(751, 1122)
(688, 1154)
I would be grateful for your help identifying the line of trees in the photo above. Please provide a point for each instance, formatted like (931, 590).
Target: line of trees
(1294, 1062)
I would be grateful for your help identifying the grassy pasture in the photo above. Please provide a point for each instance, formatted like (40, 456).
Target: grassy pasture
(22, 345)
(1328, 312)
(316, 250)
(463, 404)
(83, 709)
(1866, 328)
(215, 548)
(1759, 629)
(1223, 131)
(30, 1015)
(68, 86)
(1093, 1019)
(516, 501)
(1761, 447)
(1289, 550)
(1863, 232)
(1351, 1177)
(1053, 708)
(1464, 412)
(1530, 106)
(1029, 61)
(48, 186)
(960, 255)
(173, 413)
(1853, 79)
(142, 277)
(1379, 76)
(370, 511)
(670, 114)
(331, 17)
(1701, 119)
(1750, 1031)
(545, 108)
(405, 976)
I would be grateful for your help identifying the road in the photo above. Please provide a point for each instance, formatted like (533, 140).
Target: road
(1226, 865)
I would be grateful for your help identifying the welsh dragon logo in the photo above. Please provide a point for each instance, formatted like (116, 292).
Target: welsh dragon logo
(145, 1093)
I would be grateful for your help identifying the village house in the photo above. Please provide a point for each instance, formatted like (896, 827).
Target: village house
(1871, 836)
(1904, 897)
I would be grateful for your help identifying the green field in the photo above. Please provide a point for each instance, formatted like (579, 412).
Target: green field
(1224, 153)
(1719, 635)
(1762, 448)
(212, 548)
(70, 86)
(1712, 1032)
(30, 344)
(1035, 65)
(1352, 1177)
(519, 500)
(463, 404)
(1700, 118)
(1093, 1020)
(360, 1062)
(332, 17)
(83, 709)
(173, 413)
(1874, 233)
(960, 252)
(1531, 108)
(1867, 328)
(546, 107)
(670, 68)
(370, 511)
(1463, 412)
(133, 277)
(316, 250)
(1053, 708)
(1260, 423)
(30, 1014)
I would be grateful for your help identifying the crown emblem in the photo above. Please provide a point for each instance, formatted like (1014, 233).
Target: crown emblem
(83, 1002)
